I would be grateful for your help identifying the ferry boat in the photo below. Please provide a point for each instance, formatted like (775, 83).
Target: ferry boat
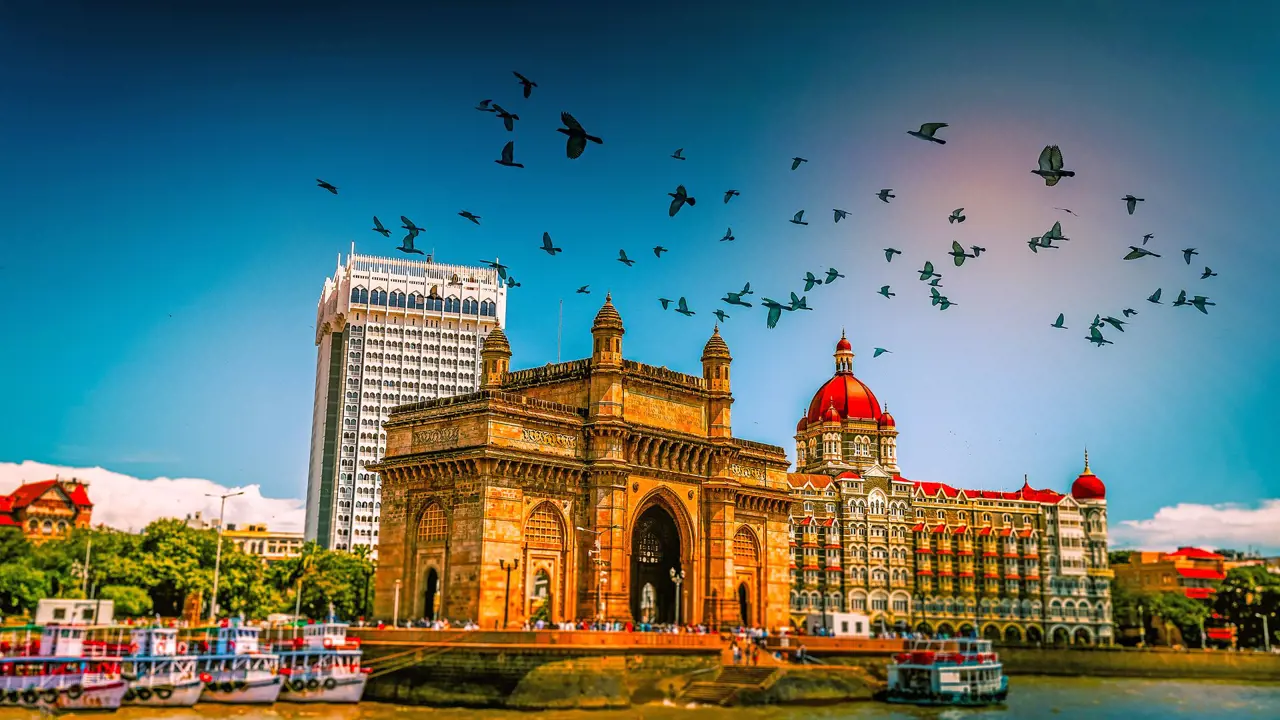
(55, 672)
(160, 671)
(322, 665)
(947, 672)
(233, 668)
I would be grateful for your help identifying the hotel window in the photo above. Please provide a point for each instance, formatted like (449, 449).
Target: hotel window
(879, 604)
(899, 605)
(808, 508)
(811, 577)
(831, 507)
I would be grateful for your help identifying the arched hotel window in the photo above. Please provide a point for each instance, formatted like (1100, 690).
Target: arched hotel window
(433, 527)
(468, 307)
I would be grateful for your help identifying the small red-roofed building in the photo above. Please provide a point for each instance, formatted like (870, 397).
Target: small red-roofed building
(47, 509)
(1191, 571)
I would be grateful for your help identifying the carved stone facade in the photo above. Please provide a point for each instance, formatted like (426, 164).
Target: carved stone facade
(576, 490)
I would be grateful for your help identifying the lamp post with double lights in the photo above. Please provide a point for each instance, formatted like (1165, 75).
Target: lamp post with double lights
(217, 557)
(506, 603)
(677, 577)
(601, 565)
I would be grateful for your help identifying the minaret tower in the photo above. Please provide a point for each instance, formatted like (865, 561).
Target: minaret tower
(715, 370)
(495, 355)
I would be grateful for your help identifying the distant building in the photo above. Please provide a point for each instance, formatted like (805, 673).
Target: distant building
(839, 624)
(197, 521)
(47, 509)
(70, 611)
(1191, 571)
(258, 541)
(389, 331)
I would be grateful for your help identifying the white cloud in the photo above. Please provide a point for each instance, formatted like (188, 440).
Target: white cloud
(129, 503)
(1227, 525)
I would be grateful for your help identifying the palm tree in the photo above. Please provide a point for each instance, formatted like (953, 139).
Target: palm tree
(364, 552)
(303, 565)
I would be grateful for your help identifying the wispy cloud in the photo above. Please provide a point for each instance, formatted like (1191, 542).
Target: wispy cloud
(129, 503)
(1227, 525)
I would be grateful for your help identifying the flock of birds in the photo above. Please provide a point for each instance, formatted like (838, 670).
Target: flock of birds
(1050, 168)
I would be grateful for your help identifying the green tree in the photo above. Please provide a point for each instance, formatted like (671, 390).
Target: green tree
(1247, 595)
(1118, 557)
(14, 546)
(21, 587)
(129, 601)
(1182, 612)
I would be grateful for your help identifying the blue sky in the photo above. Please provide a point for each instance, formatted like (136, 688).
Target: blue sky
(165, 243)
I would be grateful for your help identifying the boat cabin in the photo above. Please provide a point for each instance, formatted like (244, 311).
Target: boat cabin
(155, 642)
(236, 639)
(324, 636)
(62, 641)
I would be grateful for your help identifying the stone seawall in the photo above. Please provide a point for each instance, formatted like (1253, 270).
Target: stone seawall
(1165, 664)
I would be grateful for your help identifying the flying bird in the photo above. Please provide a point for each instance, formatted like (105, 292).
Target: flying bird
(658, 250)
(378, 228)
(508, 119)
(885, 194)
(494, 264)
(622, 258)
(408, 225)
(728, 236)
(508, 155)
(1182, 299)
(796, 219)
(678, 200)
(1131, 202)
(1207, 273)
(1095, 337)
(528, 84)
(585, 290)
(1065, 210)
(1097, 321)
(1137, 252)
(1059, 322)
(810, 280)
(407, 244)
(746, 290)
(879, 352)
(840, 214)
(1117, 324)
(1186, 254)
(1129, 312)
(944, 303)
(799, 303)
(889, 253)
(720, 314)
(730, 193)
(977, 250)
(956, 216)
(331, 188)
(511, 282)
(484, 106)
(884, 290)
(936, 281)
(468, 215)
(665, 302)
(832, 274)
(1200, 302)
(927, 271)
(578, 137)
(927, 131)
(1051, 166)
(795, 162)
(735, 299)
(958, 253)
(1147, 237)
(775, 311)
(547, 246)
(683, 308)
(679, 154)
(1155, 297)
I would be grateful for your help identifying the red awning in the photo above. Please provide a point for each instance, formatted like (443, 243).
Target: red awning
(1200, 573)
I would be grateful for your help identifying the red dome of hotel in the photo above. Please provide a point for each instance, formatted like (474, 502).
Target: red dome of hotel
(844, 395)
(887, 421)
(1088, 486)
(800, 426)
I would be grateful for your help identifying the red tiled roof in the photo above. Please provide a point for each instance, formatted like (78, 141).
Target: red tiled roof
(29, 493)
(805, 521)
(933, 488)
(940, 529)
(960, 530)
(829, 522)
(1196, 554)
(848, 475)
(985, 531)
(6, 521)
(815, 480)
(918, 528)
(1200, 573)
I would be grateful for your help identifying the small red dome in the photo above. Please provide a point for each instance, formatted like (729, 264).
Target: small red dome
(887, 421)
(848, 395)
(1088, 487)
(844, 344)
(800, 426)
(831, 415)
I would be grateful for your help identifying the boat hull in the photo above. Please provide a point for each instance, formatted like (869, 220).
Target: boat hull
(105, 697)
(154, 692)
(939, 699)
(245, 692)
(328, 690)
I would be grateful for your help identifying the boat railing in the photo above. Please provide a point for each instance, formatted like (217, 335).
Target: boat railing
(929, 657)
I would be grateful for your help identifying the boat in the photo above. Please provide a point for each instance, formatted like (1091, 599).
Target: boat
(321, 664)
(58, 672)
(233, 668)
(947, 672)
(160, 671)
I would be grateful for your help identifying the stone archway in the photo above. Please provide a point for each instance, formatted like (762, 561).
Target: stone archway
(431, 595)
(744, 604)
(1061, 636)
(655, 552)
(1082, 636)
(1034, 635)
(924, 628)
(1012, 635)
(946, 629)
(746, 564)
(991, 632)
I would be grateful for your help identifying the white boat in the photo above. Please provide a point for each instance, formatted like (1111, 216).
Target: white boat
(160, 671)
(56, 673)
(321, 665)
(235, 670)
(947, 672)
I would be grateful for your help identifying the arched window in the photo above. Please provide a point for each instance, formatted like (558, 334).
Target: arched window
(877, 502)
(746, 553)
(451, 304)
(433, 527)
(355, 294)
(544, 529)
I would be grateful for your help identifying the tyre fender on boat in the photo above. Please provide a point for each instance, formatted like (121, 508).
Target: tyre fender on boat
(164, 693)
(30, 696)
(75, 691)
(330, 683)
(312, 684)
(129, 694)
(227, 687)
(144, 694)
(297, 685)
(13, 696)
(51, 695)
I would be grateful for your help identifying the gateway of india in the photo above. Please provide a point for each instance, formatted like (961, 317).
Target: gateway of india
(606, 488)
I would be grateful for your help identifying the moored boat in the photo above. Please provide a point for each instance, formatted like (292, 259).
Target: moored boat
(235, 670)
(57, 672)
(947, 672)
(160, 671)
(321, 665)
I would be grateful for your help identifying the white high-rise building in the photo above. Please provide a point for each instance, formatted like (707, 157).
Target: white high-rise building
(389, 331)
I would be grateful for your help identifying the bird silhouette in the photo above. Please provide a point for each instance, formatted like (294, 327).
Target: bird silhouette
(578, 137)
(1034, 244)
(378, 228)
(1113, 322)
(1097, 321)
(885, 194)
(1059, 322)
(935, 297)
(796, 219)
(936, 281)
(1147, 237)
(746, 290)
(799, 303)
(1051, 166)
(528, 84)
(547, 247)
(658, 250)
(958, 253)
(511, 282)
(840, 214)
(795, 162)
(1055, 232)
(832, 274)
(1095, 337)
(1131, 202)
(331, 188)
(508, 155)
(1207, 273)
(884, 290)
(1186, 254)
(878, 352)
(494, 264)
(1200, 301)
(728, 236)
(810, 280)
(665, 302)
(730, 193)
(408, 225)
(735, 299)
(944, 303)
(679, 154)
(889, 253)
(1155, 297)
(467, 214)
(927, 271)
(977, 250)
(406, 245)
(508, 119)
(1182, 299)
(722, 315)
(1065, 210)
(585, 290)
(775, 311)
(622, 258)
(1137, 252)
(678, 200)
(926, 132)
(956, 216)
(484, 106)
(1129, 312)
(683, 308)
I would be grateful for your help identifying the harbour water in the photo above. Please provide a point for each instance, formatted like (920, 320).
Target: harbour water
(1030, 697)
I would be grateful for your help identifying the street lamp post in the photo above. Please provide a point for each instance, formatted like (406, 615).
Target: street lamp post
(395, 607)
(602, 564)
(217, 558)
(678, 578)
(1266, 632)
(506, 602)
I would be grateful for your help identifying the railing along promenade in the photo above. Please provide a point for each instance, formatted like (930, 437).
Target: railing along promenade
(818, 645)
(541, 640)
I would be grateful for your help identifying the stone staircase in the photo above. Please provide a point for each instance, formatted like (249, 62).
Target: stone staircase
(727, 683)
